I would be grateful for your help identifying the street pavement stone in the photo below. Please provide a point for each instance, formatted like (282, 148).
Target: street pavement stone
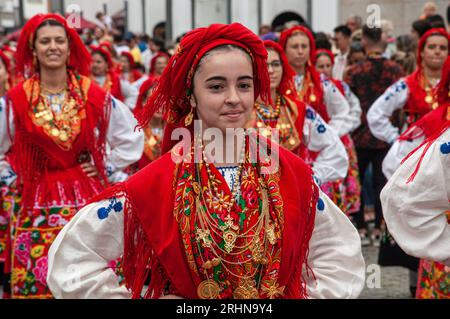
(394, 280)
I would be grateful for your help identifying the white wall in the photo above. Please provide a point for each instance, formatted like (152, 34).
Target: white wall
(182, 17)
(91, 7)
(246, 13)
(272, 8)
(325, 15)
(34, 7)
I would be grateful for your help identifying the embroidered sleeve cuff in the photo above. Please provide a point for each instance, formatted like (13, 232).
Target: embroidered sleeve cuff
(8, 177)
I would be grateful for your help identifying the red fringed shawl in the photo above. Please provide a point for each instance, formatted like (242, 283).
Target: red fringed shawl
(37, 157)
(152, 234)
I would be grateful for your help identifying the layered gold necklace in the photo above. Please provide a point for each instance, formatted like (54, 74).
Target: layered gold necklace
(284, 124)
(61, 126)
(229, 232)
(430, 98)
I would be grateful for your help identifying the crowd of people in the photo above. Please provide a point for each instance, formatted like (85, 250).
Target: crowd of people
(358, 121)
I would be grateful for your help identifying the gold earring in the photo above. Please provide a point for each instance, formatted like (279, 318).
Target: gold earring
(189, 117)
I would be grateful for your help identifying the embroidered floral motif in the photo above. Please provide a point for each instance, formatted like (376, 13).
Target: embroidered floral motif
(445, 148)
(114, 205)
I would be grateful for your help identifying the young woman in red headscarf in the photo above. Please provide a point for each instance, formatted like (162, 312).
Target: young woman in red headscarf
(416, 200)
(346, 192)
(54, 127)
(312, 88)
(300, 128)
(105, 75)
(413, 94)
(205, 228)
(153, 133)
(129, 71)
(158, 64)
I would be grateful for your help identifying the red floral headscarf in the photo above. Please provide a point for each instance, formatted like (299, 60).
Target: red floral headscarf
(79, 56)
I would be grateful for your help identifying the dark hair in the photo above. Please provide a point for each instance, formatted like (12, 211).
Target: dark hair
(322, 41)
(180, 37)
(49, 23)
(100, 53)
(159, 42)
(344, 30)
(356, 47)
(421, 27)
(436, 21)
(405, 43)
(372, 33)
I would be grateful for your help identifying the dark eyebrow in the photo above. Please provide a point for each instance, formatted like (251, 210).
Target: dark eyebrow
(221, 78)
(216, 78)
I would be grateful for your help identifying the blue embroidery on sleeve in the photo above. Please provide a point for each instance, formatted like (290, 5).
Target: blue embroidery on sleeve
(114, 204)
(397, 87)
(321, 205)
(321, 129)
(6, 178)
(310, 114)
(109, 171)
(445, 148)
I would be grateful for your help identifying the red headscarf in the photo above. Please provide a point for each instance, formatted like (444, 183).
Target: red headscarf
(172, 93)
(154, 59)
(287, 85)
(79, 55)
(130, 59)
(423, 41)
(432, 125)
(145, 87)
(106, 55)
(285, 35)
(310, 70)
(320, 52)
(108, 46)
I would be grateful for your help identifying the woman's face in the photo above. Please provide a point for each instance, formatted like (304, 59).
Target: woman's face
(224, 90)
(99, 65)
(435, 52)
(125, 64)
(275, 68)
(160, 65)
(3, 74)
(298, 50)
(51, 47)
(324, 65)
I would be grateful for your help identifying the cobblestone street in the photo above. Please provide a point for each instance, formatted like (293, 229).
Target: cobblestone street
(394, 280)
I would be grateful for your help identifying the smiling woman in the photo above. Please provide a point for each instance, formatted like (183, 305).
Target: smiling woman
(54, 129)
(203, 230)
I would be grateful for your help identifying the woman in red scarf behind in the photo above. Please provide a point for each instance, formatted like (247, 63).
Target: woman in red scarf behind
(53, 130)
(345, 192)
(105, 75)
(205, 228)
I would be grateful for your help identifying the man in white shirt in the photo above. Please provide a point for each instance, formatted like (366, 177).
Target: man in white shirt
(342, 36)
